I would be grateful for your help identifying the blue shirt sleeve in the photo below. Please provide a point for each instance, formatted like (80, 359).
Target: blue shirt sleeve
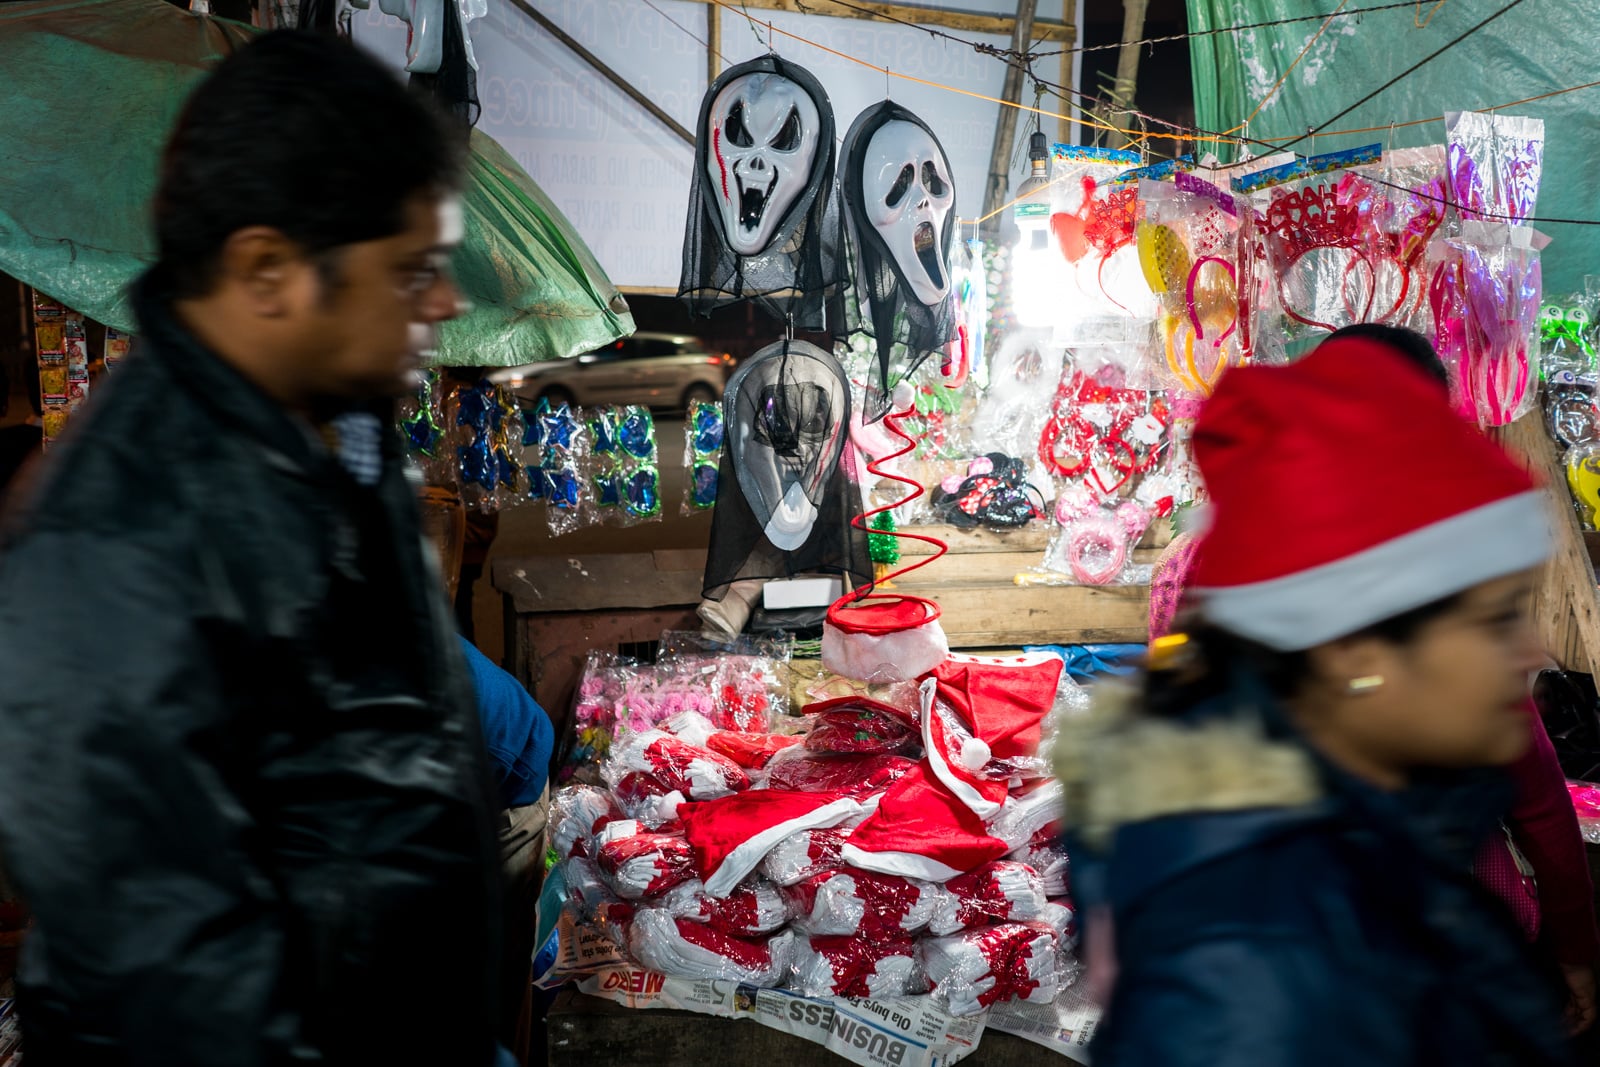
(515, 728)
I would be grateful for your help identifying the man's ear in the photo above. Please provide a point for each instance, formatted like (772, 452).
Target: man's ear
(262, 265)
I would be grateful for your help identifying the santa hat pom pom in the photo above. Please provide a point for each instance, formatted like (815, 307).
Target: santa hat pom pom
(975, 754)
(904, 396)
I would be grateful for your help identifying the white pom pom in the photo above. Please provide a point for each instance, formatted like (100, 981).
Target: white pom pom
(975, 754)
(904, 396)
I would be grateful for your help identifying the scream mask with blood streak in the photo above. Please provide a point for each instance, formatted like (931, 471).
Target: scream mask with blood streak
(763, 144)
(899, 198)
(761, 226)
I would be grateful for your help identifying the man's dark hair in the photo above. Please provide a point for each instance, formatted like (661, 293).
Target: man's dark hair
(301, 132)
(1417, 349)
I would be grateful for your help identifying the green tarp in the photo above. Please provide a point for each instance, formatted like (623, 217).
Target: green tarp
(88, 89)
(1536, 47)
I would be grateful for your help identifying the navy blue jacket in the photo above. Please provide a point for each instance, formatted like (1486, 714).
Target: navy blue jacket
(1269, 911)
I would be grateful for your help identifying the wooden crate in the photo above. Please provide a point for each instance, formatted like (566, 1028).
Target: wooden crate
(559, 609)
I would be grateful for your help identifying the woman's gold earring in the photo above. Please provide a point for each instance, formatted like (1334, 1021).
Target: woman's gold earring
(1360, 686)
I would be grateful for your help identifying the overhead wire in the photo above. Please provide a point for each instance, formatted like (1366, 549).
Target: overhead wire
(1418, 65)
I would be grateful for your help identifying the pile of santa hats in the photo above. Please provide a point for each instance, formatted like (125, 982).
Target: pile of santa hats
(836, 863)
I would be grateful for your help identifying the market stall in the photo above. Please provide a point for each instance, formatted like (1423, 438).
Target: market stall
(852, 840)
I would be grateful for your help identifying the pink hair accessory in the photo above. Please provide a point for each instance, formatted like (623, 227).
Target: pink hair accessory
(981, 465)
(1097, 551)
(1073, 503)
(1135, 519)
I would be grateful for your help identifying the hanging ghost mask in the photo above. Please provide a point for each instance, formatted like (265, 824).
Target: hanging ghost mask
(899, 198)
(786, 412)
(761, 225)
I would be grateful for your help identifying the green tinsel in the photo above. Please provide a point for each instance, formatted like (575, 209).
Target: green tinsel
(882, 548)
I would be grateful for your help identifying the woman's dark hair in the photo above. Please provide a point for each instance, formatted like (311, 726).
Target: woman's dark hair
(1213, 659)
(1417, 349)
(302, 132)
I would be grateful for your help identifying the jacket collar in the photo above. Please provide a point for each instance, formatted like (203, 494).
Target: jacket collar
(239, 402)
(1148, 800)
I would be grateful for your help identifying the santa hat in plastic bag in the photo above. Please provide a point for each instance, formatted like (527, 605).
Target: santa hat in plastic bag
(1024, 816)
(641, 864)
(695, 772)
(809, 852)
(921, 830)
(864, 903)
(880, 967)
(683, 948)
(1345, 433)
(576, 815)
(732, 835)
(981, 968)
(1003, 890)
(883, 637)
(1001, 702)
(751, 910)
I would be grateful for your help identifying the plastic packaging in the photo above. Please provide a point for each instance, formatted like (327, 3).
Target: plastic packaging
(606, 678)
(754, 908)
(697, 773)
(861, 902)
(804, 855)
(1004, 890)
(1026, 815)
(856, 728)
(644, 798)
(1485, 295)
(702, 456)
(980, 968)
(555, 449)
(745, 676)
(623, 466)
(855, 775)
(639, 864)
(1586, 802)
(1188, 245)
(587, 891)
(684, 948)
(1495, 165)
(881, 968)
(751, 751)
(1045, 853)
(576, 815)
(488, 423)
(1093, 220)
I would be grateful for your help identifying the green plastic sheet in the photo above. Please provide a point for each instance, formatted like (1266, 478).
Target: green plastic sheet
(88, 91)
(1535, 48)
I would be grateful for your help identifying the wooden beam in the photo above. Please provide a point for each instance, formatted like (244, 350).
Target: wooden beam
(997, 189)
(969, 21)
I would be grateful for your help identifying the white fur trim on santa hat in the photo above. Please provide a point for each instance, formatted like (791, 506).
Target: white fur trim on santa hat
(1307, 609)
(746, 857)
(957, 780)
(897, 657)
(905, 864)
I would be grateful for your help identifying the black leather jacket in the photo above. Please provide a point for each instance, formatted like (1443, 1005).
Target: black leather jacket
(242, 784)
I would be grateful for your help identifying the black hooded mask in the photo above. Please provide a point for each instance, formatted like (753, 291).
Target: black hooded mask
(783, 503)
(762, 225)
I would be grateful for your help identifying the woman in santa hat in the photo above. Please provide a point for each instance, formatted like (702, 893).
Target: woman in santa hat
(1281, 823)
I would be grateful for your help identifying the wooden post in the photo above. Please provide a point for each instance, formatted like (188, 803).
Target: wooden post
(1566, 605)
(713, 43)
(1127, 83)
(1005, 130)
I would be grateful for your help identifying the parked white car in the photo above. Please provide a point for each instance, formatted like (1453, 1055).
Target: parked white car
(662, 370)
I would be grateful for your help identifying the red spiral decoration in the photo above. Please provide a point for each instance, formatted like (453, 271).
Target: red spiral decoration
(867, 592)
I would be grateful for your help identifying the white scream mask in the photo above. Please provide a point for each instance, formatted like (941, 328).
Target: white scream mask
(763, 129)
(907, 194)
(424, 21)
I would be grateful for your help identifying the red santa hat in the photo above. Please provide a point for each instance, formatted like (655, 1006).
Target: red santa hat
(921, 830)
(732, 835)
(1001, 701)
(1344, 491)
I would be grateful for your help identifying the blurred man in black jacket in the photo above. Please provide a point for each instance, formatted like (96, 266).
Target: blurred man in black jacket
(242, 782)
